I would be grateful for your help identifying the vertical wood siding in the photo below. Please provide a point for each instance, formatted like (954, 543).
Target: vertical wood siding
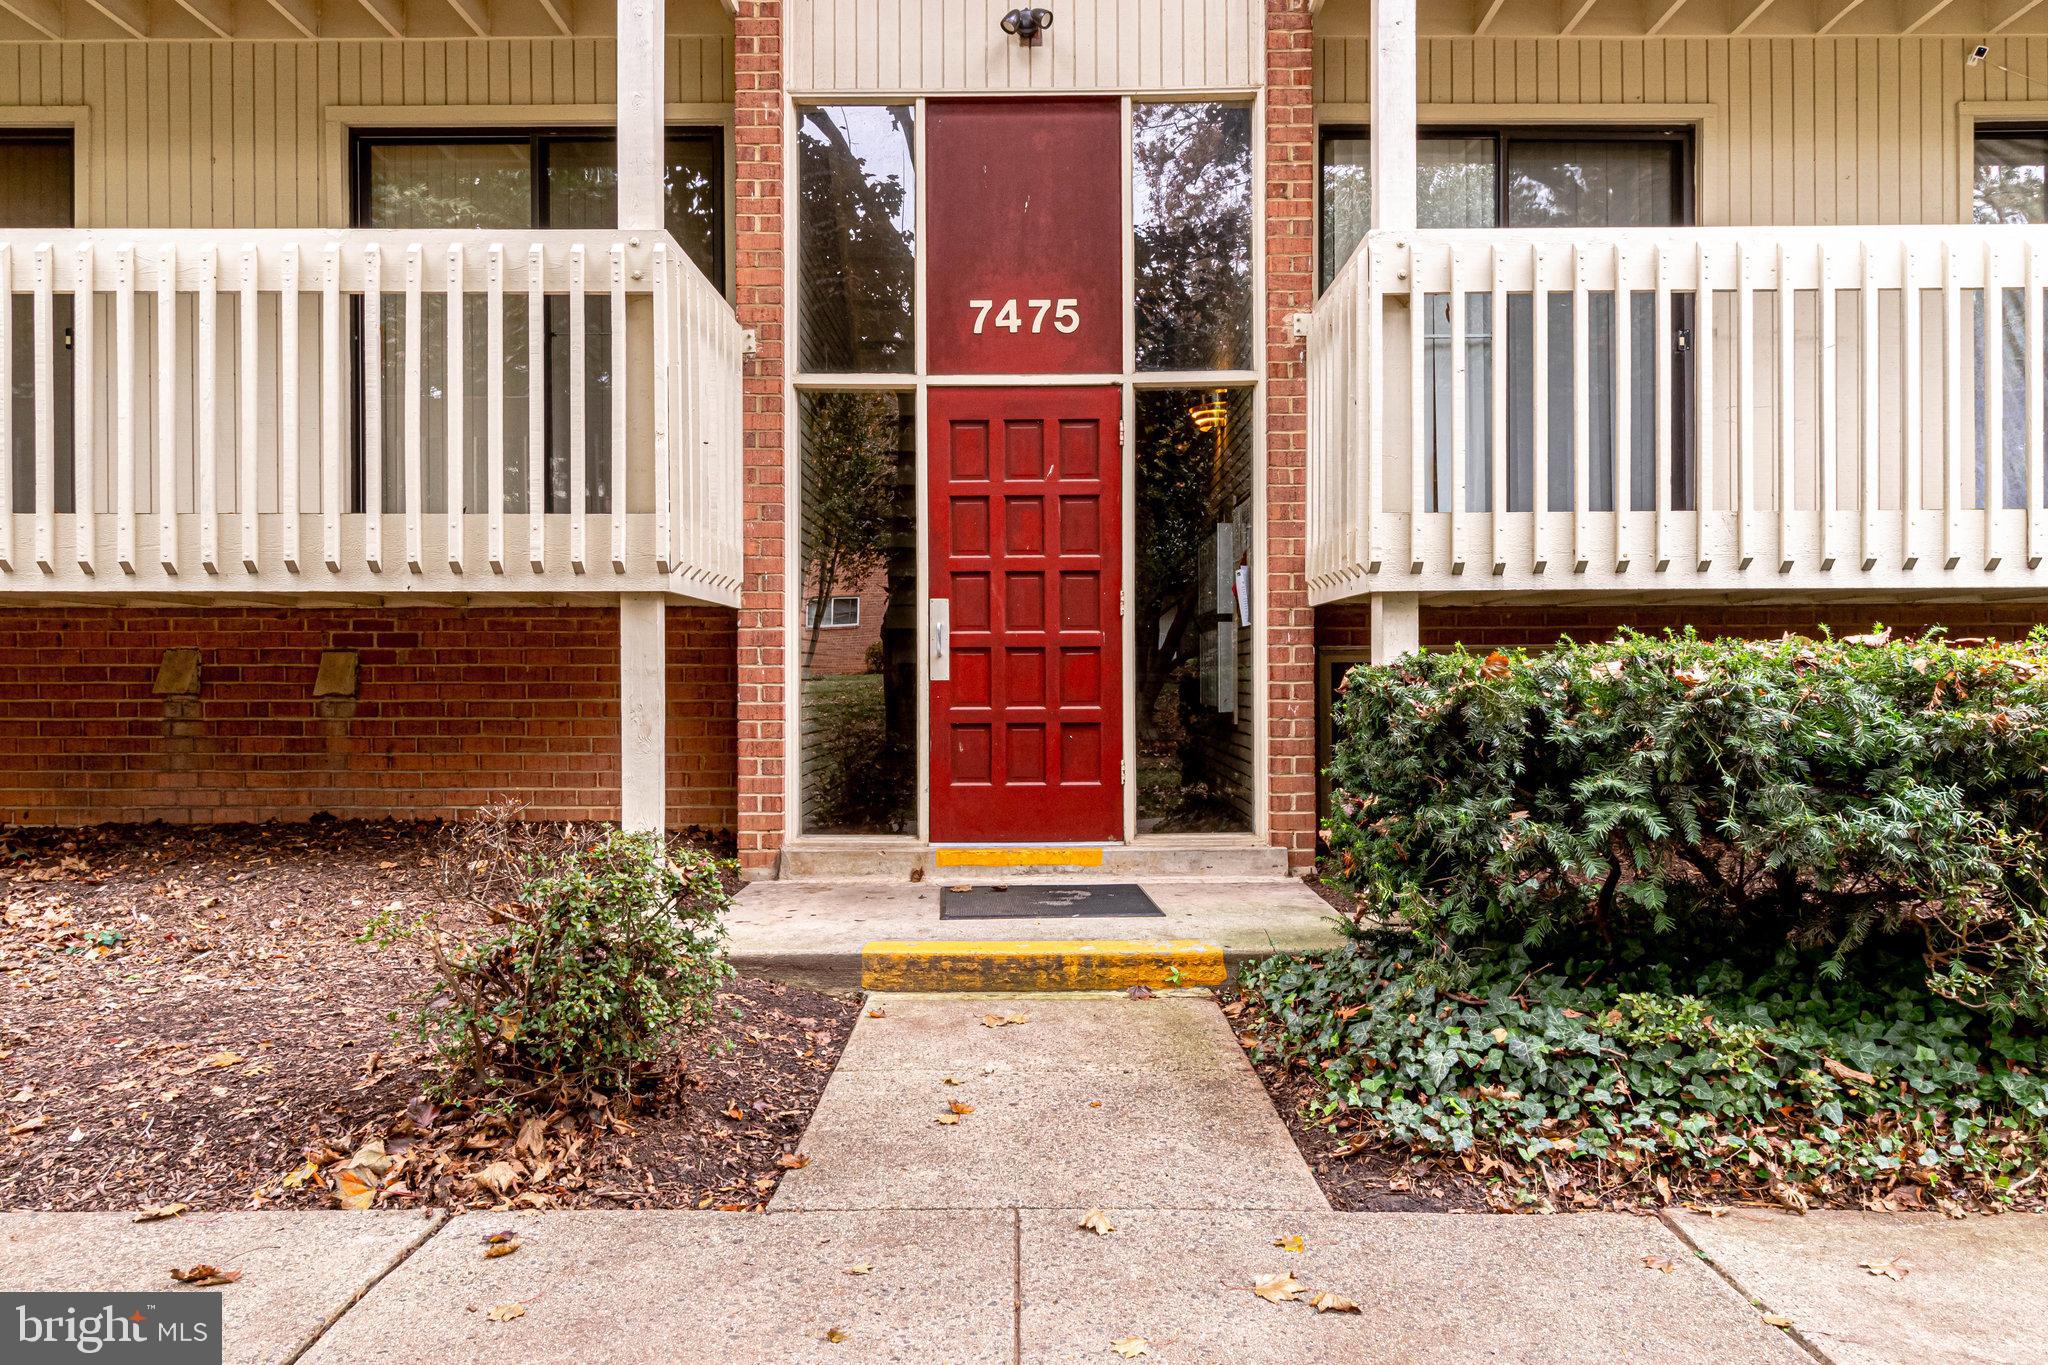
(1808, 131)
(219, 134)
(856, 46)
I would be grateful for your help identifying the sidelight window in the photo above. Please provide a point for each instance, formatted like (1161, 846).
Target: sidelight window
(1191, 213)
(857, 238)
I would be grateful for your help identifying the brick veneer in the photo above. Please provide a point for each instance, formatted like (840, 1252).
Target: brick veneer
(757, 218)
(1495, 627)
(454, 707)
(1290, 288)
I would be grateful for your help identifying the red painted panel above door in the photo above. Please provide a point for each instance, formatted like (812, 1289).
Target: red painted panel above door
(1024, 224)
(1027, 574)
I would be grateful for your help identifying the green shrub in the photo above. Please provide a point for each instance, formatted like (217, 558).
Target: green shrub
(1717, 794)
(602, 947)
(1773, 1085)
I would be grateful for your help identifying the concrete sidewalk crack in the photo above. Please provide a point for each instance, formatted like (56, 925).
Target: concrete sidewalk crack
(1017, 1285)
(433, 1228)
(1798, 1337)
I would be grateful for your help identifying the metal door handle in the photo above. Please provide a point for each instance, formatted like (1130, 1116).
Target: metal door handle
(942, 651)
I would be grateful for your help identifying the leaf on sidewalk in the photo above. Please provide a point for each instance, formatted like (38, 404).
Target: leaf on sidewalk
(1291, 1242)
(158, 1212)
(1894, 1269)
(1281, 1288)
(1130, 1348)
(1323, 1301)
(505, 1312)
(205, 1276)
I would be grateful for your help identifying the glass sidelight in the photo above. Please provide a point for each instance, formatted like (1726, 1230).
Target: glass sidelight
(513, 180)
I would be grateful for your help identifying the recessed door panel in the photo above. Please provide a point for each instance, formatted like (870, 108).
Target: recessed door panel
(1027, 723)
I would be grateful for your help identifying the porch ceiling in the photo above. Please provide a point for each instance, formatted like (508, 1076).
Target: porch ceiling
(174, 20)
(1700, 18)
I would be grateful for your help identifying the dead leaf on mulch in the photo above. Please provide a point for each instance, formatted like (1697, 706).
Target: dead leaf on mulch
(158, 1212)
(792, 1161)
(205, 1276)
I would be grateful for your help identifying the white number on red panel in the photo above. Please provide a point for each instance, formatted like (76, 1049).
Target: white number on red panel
(1065, 315)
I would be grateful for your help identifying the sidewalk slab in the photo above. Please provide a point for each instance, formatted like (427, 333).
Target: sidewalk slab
(300, 1271)
(1145, 1103)
(813, 932)
(1975, 1289)
(629, 1287)
(1430, 1287)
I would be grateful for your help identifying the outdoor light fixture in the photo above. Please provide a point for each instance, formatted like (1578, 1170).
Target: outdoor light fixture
(1027, 26)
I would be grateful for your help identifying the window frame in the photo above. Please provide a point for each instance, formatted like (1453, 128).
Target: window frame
(831, 607)
(1685, 192)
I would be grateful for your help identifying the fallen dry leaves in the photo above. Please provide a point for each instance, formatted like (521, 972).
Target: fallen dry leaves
(1130, 1348)
(1097, 1222)
(1662, 1264)
(1291, 1242)
(506, 1312)
(500, 1244)
(1323, 1301)
(1003, 1020)
(158, 1212)
(1281, 1288)
(1894, 1269)
(205, 1276)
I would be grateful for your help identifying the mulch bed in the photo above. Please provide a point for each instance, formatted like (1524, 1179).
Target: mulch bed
(186, 1016)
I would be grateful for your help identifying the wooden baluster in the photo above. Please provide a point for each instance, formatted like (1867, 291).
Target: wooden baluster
(1703, 413)
(249, 423)
(1993, 435)
(620, 451)
(331, 503)
(373, 407)
(1539, 426)
(124, 404)
(1869, 340)
(45, 321)
(169, 371)
(455, 393)
(288, 406)
(1912, 475)
(85, 410)
(415, 453)
(1826, 456)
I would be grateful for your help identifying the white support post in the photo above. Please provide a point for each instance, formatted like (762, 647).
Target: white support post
(641, 132)
(1396, 626)
(643, 711)
(1393, 115)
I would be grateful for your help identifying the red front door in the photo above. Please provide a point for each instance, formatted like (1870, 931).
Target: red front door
(1027, 643)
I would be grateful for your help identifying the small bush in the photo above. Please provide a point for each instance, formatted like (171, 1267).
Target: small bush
(1711, 796)
(602, 947)
(1770, 1086)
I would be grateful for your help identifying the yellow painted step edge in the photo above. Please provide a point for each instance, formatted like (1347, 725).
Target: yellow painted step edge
(1037, 964)
(1017, 857)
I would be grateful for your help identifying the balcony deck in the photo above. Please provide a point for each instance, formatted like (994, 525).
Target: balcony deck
(1806, 412)
(244, 391)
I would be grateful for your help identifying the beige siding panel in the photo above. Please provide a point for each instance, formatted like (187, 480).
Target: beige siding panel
(1808, 131)
(217, 134)
(918, 46)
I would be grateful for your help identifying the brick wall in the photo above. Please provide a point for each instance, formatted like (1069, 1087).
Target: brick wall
(1533, 627)
(454, 707)
(1290, 288)
(757, 217)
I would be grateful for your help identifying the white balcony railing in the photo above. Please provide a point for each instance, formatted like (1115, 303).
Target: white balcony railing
(292, 412)
(1770, 408)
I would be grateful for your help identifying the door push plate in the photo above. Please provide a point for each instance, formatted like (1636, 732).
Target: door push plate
(942, 643)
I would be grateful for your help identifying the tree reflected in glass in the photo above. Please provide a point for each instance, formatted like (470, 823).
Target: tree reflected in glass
(857, 238)
(1191, 213)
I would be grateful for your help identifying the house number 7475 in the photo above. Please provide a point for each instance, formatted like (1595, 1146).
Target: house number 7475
(1066, 314)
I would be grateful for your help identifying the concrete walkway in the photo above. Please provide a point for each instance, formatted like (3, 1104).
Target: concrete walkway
(908, 1239)
(813, 931)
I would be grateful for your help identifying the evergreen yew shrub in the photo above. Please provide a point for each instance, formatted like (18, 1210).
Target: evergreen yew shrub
(1710, 796)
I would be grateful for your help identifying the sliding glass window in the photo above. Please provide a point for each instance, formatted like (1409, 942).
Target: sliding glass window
(513, 180)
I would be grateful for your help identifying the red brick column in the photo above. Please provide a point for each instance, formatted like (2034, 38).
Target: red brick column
(1290, 288)
(757, 215)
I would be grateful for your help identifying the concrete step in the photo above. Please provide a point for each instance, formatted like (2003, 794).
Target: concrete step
(1099, 964)
(838, 860)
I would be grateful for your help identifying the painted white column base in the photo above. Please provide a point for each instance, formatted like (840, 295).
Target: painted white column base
(643, 712)
(1396, 625)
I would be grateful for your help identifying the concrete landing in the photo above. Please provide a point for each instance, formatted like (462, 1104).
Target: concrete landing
(1223, 857)
(815, 932)
(1089, 1100)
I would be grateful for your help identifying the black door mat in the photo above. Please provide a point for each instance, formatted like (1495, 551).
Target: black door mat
(1026, 900)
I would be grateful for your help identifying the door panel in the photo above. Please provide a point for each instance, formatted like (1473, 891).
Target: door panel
(1027, 564)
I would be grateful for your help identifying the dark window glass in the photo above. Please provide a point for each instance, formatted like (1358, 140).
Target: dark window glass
(1594, 182)
(2011, 183)
(1345, 197)
(857, 238)
(1191, 212)
(36, 192)
(1194, 638)
(857, 713)
(483, 181)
